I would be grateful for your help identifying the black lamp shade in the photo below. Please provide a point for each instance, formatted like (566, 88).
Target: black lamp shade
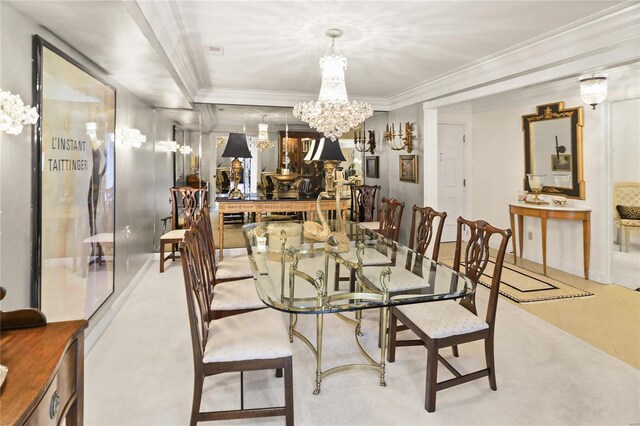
(326, 149)
(237, 146)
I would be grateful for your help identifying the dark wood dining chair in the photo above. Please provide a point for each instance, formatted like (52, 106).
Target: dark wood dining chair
(184, 203)
(365, 203)
(407, 277)
(226, 298)
(256, 340)
(234, 266)
(448, 323)
(391, 218)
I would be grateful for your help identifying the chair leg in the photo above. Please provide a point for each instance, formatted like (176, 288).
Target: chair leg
(288, 392)
(336, 281)
(197, 397)
(454, 348)
(488, 353)
(432, 378)
(627, 233)
(161, 256)
(393, 327)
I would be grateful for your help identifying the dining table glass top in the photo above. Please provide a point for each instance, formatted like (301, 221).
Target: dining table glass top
(295, 274)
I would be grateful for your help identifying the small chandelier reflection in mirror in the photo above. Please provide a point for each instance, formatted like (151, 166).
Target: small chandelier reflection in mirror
(593, 89)
(186, 150)
(220, 140)
(263, 142)
(333, 114)
(169, 146)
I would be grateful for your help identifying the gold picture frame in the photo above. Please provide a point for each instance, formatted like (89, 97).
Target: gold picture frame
(408, 168)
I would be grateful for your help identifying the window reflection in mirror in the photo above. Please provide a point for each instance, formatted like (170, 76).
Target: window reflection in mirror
(553, 148)
(551, 151)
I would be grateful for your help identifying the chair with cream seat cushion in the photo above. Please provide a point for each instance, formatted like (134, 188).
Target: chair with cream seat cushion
(249, 341)
(391, 218)
(445, 323)
(626, 195)
(226, 297)
(232, 267)
(184, 202)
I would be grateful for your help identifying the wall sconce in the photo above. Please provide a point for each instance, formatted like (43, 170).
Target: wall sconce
(394, 139)
(361, 142)
(131, 137)
(593, 89)
(14, 114)
(169, 146)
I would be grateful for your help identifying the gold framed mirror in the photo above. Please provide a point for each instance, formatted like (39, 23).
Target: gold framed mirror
(553, 149)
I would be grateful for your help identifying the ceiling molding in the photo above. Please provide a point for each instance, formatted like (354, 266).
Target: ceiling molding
(609, 40)
(162, 25)
(264, 98)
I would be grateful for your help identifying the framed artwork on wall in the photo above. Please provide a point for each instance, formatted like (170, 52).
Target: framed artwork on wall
(74, 187)
(372, 167)
(408, 168)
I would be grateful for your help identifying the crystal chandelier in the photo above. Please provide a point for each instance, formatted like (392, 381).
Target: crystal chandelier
(333, 114)
(14, 114)
(263, 136)
(593, 88)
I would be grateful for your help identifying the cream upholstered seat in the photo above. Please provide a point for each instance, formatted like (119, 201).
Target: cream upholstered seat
(399, 280)
(172, 237)
(233, 267)
(236, 295)
(228, 338)
(374, 226)
(625, 194)
(443, 319)
(371, 257)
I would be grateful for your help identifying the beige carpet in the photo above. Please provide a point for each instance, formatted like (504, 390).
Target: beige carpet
(524, 286)
(141, 373)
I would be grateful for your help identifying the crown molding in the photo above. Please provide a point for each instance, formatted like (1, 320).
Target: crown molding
(161, 23)
(606, 41)
(266, 98)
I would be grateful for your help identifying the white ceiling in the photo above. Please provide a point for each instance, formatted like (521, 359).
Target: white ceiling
(158, 50)
(391, 46)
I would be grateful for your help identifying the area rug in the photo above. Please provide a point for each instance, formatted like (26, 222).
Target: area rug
(524, 286)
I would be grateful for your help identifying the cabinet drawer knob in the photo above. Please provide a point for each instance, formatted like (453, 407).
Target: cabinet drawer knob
(55, 404)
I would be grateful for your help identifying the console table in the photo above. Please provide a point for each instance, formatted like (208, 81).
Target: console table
(259, 204)
(545, 212)
(45, 381)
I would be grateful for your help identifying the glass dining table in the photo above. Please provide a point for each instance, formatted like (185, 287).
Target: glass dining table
(299, 276)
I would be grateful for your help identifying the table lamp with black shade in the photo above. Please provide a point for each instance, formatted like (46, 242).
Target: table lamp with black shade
(330, 153)
(236, 148)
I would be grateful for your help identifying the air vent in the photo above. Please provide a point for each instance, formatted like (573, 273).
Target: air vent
(216, 50)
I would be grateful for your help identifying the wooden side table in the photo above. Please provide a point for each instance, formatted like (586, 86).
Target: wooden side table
(45, 382)
(545, 212)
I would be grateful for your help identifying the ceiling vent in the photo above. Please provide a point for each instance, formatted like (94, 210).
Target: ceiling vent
(216, 50)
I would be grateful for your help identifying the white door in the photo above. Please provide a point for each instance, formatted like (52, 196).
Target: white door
(451, 176)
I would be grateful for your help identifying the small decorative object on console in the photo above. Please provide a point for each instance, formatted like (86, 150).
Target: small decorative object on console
(536, 182)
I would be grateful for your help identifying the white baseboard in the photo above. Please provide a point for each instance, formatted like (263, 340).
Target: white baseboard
(94, 335)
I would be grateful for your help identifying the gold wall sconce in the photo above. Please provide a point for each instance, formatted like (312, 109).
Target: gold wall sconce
(363, 144)
(399, 141)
